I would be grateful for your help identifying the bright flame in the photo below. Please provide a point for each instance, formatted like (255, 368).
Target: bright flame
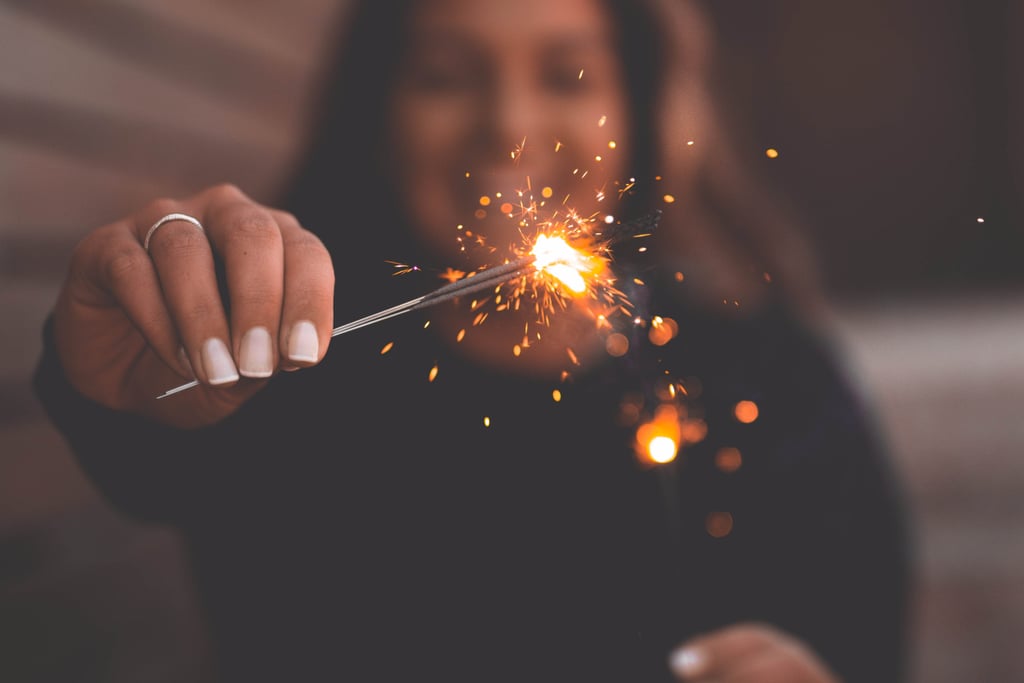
(566, 260)
(565, 256)
(561, 261)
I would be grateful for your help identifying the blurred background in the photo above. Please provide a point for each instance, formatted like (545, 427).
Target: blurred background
(898, 126)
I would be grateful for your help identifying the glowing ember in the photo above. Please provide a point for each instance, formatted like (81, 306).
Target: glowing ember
(658, 441)
(662, 449)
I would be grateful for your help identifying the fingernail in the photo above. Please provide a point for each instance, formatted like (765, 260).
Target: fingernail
(256, 355)
(220, 369)
(687, 661)
(303, 343)
(185, 363)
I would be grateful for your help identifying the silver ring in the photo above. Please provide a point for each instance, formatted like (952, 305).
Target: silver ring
(167, 219)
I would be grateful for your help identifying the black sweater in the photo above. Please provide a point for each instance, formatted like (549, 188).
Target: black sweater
(357, 522)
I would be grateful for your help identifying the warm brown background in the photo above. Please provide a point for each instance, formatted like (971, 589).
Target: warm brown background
(897, 123)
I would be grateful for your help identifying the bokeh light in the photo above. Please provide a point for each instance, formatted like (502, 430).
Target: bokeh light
(728, 459)
(718, 524)
(746, 411)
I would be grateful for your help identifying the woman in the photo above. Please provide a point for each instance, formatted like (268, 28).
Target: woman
(463, 492)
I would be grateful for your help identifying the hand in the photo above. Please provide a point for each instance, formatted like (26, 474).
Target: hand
(748, 653)
(129, 324)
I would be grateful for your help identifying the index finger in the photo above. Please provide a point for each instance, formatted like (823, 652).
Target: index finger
(308, 307)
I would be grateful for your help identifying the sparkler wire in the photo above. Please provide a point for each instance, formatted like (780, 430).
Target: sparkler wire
(490, 277)
(482, 280)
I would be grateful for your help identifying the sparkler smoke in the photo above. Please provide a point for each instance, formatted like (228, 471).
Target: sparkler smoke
(489, 277)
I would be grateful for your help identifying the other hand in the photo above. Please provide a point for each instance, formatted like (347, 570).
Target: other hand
(748, 653)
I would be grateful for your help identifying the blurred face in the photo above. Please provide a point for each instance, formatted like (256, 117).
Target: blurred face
(500, 96)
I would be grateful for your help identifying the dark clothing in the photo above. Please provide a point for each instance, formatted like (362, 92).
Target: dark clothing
(358, 522)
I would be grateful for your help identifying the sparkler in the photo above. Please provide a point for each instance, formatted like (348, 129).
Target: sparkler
(484, 279)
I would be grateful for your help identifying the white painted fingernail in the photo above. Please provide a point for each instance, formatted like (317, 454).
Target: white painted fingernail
(256, 353)
(185, 363)
(304, 343)
(220, 369)
(687, 661)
